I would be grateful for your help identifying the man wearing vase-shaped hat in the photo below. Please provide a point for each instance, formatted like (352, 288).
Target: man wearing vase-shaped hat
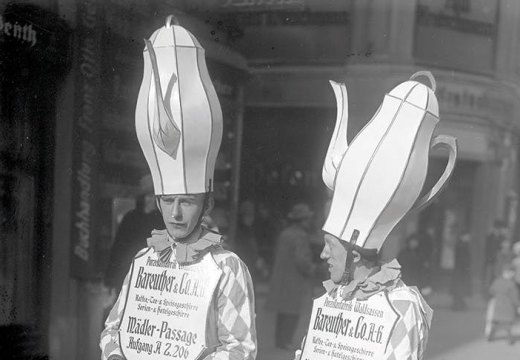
(184, 296)
(367, 311)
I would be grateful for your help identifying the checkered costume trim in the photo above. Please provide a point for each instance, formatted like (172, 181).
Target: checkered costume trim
(231, 321)
(410, 336)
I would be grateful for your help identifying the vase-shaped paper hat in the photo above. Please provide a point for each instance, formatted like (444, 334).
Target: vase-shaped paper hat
(178, 115)
(378, 177)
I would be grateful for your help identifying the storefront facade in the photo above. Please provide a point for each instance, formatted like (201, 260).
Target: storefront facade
(71, 163)
(469, 47)
(35, 60)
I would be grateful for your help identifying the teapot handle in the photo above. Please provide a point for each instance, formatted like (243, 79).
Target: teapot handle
(450, 143)
(427, 74)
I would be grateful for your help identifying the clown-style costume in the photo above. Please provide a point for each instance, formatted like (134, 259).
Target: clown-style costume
(187, 298)
(377, 180)
(410, 334)
(231, 332)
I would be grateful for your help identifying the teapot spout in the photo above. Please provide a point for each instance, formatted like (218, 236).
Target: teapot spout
(338, 144)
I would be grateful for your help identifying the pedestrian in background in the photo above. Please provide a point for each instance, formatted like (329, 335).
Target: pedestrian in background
(245, 245)
(293, 271)
(504, 257)
(504, 305)
(135, 227)
(495, 237)
(267, 228)
(427, 250)
(461, 278)
(516, 263)
(413, 262)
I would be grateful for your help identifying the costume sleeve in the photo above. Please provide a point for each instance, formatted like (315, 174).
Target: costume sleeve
(236, 328)
(410, 336)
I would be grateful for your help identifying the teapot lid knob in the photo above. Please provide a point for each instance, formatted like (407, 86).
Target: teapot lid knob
(427, 74)
(171, 19)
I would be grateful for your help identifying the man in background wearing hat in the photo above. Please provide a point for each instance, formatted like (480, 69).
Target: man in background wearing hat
(184, 296)
(135, 227)
(293, 270)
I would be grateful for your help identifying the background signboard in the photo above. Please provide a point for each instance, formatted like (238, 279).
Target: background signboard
(457, 34)
(85, 162)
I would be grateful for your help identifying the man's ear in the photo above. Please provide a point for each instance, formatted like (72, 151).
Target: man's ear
(356, 256)
(210, 203)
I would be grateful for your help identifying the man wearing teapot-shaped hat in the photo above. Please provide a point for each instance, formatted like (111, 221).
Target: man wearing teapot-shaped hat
(184, 296)
(367, 311)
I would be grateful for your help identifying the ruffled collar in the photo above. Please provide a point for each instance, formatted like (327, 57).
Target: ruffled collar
(185, 253)
(386, 278)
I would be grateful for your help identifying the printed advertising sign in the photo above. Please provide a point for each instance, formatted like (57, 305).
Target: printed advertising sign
(166, 308)
(349, 330)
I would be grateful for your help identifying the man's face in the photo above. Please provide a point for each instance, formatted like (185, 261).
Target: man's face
(181, 213)
(336, 255)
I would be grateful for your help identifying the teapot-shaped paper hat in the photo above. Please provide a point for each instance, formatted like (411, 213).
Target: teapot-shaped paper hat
(378, 177)
(178, 116)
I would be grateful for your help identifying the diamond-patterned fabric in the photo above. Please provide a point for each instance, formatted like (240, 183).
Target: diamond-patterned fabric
(410, 334)
(231, 321)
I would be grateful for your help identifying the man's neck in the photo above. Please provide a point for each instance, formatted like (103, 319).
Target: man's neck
(192, 238)
(363, 272)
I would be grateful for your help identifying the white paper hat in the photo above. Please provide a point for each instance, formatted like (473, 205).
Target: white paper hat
(378, 177)
(178, 116)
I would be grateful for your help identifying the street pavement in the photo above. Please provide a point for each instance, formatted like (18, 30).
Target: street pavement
(455, 335)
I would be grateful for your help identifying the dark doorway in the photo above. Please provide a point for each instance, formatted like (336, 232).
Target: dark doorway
(282, 155)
